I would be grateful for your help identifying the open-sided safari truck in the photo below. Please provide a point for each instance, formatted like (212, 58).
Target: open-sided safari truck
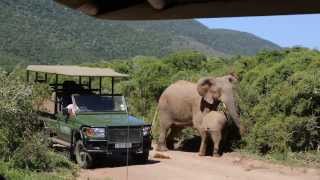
(86, 121)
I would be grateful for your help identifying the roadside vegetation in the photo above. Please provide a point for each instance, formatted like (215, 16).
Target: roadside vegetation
(278, 95)
(23, 148)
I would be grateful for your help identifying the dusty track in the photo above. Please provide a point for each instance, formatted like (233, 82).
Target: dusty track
(189, 166)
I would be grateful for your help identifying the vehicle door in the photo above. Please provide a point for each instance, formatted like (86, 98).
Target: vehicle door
(65, 123)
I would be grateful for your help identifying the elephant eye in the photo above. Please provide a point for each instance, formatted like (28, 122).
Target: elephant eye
(215, 91)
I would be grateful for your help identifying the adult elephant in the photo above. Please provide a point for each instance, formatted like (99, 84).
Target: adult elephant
(185, 103)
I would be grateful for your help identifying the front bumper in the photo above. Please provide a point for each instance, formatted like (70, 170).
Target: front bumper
(108, 148)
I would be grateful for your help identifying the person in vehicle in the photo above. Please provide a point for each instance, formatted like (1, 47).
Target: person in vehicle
(69, 87)
(72, 110)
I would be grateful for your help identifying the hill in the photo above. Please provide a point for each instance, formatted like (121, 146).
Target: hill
(41, 31)
(222, 40)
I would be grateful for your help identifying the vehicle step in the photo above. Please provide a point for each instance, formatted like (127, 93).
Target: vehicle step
(59, 142)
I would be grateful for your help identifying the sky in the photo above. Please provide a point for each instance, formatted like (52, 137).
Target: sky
(286, 31)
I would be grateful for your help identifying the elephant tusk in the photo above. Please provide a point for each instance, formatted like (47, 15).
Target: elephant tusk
(225, 110)
(224, 107)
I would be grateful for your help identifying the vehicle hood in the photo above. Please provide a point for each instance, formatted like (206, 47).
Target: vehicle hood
(102, 120)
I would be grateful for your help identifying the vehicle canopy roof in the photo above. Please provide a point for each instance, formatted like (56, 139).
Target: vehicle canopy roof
(187, 9)
(69, 70)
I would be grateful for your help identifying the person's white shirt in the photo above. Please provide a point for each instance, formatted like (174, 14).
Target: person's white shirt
(72, 109)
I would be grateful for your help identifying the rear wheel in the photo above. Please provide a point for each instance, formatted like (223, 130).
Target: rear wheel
(83, 158)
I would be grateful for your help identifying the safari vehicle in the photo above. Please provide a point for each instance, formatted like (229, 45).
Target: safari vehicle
(100, 125)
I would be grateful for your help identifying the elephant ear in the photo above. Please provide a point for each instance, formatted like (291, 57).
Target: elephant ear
(203, 85)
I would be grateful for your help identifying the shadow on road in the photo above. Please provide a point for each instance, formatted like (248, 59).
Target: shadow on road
(231, 139)
(102, 161)
(119, 161)
(193, 145)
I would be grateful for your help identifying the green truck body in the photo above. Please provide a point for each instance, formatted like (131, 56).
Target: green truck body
(101, 125)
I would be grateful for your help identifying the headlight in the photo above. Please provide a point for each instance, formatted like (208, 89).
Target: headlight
(146, 130)
(95, 132)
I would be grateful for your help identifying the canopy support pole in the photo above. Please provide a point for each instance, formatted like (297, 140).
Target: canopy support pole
(80, 80)
(112, 88)
(56, 83)
(28, 76)
(89, 83)
(36, 79)
(100, 85)
(56, 97)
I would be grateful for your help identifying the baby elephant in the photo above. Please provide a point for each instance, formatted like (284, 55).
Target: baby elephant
(213, 124)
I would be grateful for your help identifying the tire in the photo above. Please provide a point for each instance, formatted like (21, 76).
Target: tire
(83, 158)
(72, 155)
(142, 158)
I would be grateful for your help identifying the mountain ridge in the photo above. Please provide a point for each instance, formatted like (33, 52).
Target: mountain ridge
(42, 31)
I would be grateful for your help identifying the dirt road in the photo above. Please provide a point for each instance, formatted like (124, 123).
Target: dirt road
(189, 166)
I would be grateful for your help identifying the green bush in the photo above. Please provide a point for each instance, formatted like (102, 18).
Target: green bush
(18, 174)
(22, 146)
(280, 101)
(34, 155)
(4, 141)
(17, 119)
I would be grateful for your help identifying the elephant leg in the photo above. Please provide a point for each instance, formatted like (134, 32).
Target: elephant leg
(216, 138)
(174, 132)
(165, 124)
(203, 146)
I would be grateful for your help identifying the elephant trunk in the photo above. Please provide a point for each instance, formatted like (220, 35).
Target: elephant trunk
(232, 110)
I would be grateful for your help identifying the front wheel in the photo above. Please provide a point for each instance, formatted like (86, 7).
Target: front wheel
(142, 158)
(83, 158)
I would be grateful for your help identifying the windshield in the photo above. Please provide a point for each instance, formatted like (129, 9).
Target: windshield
(95, 103)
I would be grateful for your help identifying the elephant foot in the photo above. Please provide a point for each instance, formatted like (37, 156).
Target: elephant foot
(201, 154)
(161, 148)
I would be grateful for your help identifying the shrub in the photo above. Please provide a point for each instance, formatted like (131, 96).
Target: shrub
(22, 146)
(280, 103)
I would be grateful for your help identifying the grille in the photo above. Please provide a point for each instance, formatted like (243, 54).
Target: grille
(120, 135)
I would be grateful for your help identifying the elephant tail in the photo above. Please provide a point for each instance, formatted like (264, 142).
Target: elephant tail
(155, 116)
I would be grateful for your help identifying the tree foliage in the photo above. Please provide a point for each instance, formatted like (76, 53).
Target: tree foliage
(280, 100)
(22, 142)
